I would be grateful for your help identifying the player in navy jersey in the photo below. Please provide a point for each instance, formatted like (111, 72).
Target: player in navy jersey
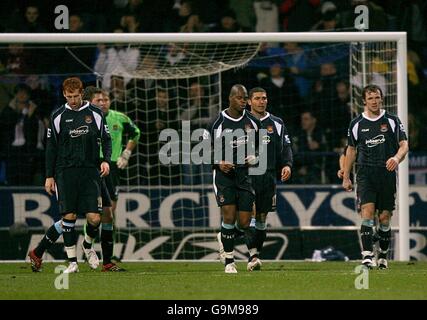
(377, 142)
(232, 184)
(279, 160)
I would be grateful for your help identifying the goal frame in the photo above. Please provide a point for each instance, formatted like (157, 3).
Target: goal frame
(402, 91)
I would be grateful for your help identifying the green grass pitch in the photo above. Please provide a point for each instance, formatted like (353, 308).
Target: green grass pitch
(200, 281)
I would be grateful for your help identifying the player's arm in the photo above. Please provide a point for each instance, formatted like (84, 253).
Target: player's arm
(286, 155)
(403, 150)
(350, 158)
(393, 162)
(106, 148)
(341, 162)
(133, 133)
(51, 155)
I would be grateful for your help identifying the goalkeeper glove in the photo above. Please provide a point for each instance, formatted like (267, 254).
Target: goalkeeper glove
(123, 160)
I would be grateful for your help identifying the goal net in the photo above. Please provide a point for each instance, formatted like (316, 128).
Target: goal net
(169, 211)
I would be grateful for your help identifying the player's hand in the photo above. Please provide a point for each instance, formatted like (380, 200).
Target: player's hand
(251, 160)
(49, 185)
(340, 173)
(105, 169)
(286, 173)
(123, 160)
(392, 164)
(225, 166)
(347, 184)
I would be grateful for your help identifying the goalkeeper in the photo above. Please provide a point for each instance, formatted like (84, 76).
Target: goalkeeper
(120, 126)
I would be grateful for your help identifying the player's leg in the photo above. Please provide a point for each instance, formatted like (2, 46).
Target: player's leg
(366, 199)
(107, 242)
(228, 213)
(366, 234)
(50, 237)
(91, 231)
(384, 234)
(111, 182)
(257, 242)
(70, 240)
(385, 205)
(91, 204)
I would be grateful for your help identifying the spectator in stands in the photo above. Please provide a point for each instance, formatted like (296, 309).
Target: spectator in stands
(21, 137)
(412, 18)
(297, 64)
(194, 24)
(267, 16)
(201, 112)
(378, 20)
(74, 59)
(159, 114)
(245, 13)
(31, 23)
(329, 19)
(286, 102)
(116, 59)
(228, 23)
(309, 141)
(298, 16)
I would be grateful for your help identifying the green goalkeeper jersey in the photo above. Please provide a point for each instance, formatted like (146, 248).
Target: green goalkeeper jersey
(120, 125)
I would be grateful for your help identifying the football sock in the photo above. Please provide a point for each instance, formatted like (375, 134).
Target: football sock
(70, 239)
(366, 232)
(260, 235)
(52, 234)
(107, 242)
(90, 234)
(238, 232)
(384, 233)
(227, 239)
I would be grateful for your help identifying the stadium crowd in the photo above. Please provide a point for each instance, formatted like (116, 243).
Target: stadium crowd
(311, 95)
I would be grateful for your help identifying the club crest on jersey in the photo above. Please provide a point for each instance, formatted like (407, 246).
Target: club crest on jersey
(88, 119)
(221, 198)
(248, 128)
(384, 128)
(270, 129)
(115, 127)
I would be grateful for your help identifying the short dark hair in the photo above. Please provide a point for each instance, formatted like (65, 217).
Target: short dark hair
(255, 90)
(371, 88)
(90, 92)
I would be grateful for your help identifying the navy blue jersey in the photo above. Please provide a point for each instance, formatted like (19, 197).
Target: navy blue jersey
(375, 140)
(245, 131)
(74, 138)
(277, 141)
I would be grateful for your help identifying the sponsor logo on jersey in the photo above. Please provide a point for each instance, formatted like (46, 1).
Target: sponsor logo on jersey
(384, 128)
(49, 132)
(379, 139)
(79, 131)
(266, 139)
(69, 120)
(270, 129)
(365, 130)
(88, 119)
(287, 139)
(239, 141)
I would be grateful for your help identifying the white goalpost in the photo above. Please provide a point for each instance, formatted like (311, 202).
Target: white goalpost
(231, 57)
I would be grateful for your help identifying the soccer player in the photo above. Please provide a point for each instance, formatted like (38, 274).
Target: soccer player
(73, 170)
(377, 142)
(279, 158)
(232, 185)
(120, 125)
